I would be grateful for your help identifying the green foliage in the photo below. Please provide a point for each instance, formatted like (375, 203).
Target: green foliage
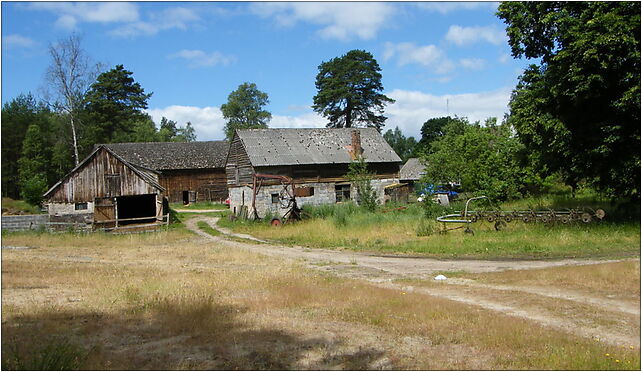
(244, 109)
(17, 115)
(168, 130)
(403, 146)
(52, 354)
(32, 166)
(432, 130)
(115, 102)
(482, 158)
(349, 91)
(361, 178)
(578, 111)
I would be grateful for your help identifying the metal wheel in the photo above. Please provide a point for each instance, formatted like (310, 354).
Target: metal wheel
(600, 214)
(526, 219)
(276, 222)
(490, 218)
(500, 225)
(586, 218)
(565, 219)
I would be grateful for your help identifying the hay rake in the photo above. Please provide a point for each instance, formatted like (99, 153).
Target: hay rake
(501, 218)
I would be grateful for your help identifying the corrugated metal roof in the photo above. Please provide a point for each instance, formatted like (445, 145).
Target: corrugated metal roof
(173, 155)
(293, 146)
(412, 170)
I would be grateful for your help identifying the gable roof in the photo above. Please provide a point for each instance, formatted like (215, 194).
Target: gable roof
(173, 155)
(298, 146)
(412, 170)
(145, 174)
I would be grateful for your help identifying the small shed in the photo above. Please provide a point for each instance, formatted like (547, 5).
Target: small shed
(316, 159)
(189, 171)
(409, 176)
(107, 191)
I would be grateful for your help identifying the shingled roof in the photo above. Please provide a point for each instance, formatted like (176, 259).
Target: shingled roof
(295, 146)
(412, 170)
(173, 155)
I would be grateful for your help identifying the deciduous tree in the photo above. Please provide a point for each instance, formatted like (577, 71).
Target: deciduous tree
(68, 77)
(349, 91)
(244, 109)
(577, 110)
(403, 146)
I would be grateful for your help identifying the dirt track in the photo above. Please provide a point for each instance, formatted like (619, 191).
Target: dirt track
(382, 270)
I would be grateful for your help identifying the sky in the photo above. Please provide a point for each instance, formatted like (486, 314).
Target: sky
(436, 58)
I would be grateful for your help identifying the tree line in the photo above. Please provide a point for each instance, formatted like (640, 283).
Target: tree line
(42, 140)
(574, 114)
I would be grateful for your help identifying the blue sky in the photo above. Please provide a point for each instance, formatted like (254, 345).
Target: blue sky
(436, 58)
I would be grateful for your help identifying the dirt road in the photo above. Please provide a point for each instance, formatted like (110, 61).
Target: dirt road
(623, 318)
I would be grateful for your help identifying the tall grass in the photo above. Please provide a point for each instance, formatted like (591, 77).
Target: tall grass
(414, 229)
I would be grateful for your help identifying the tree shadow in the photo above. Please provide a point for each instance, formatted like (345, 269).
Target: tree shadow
(164, 335)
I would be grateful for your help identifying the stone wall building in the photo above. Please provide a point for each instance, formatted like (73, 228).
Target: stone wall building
(315, 159)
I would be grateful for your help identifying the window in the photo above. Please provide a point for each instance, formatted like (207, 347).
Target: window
(275, 198)
(304, 191)
(80, 206)
(342, 192)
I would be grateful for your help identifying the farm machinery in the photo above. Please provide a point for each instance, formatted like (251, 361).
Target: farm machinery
(286, 196)
(500, 218)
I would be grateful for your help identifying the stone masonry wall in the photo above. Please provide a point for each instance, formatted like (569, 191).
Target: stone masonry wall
(24, 222)
(324, 193)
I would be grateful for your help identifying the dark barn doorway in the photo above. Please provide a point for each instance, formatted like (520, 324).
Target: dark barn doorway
(136, 206)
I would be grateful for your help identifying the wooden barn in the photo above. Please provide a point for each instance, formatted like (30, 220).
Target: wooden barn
(107, 191)
(316, 159)
(188, 171)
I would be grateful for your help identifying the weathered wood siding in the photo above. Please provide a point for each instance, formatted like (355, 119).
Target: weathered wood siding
(328, 172)
(209, 184)
(238, 167)
(103, 175)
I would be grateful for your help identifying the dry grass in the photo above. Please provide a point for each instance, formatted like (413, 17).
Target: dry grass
(620, 280)
(170, 301)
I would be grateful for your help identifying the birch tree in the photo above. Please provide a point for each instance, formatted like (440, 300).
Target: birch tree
(68, 78)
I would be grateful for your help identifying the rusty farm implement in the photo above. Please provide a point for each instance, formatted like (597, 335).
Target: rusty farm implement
(501, 218)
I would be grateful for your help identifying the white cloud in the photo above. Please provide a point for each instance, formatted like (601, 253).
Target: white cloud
(467, 35)
(504, 58)
(413, 108)
(428, 56)
(306, 120)
(17, 41)
(341, 21)
(445, 7)
(472, 63)
(199, 58)
(72, 13)
(179, 18)
(208, 122)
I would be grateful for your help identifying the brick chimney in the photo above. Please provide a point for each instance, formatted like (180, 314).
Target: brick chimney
(357, 150)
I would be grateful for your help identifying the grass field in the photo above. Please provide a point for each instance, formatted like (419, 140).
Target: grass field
(167, 301)
(409, 231)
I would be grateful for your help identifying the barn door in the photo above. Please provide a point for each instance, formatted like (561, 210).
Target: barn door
(104, 212)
